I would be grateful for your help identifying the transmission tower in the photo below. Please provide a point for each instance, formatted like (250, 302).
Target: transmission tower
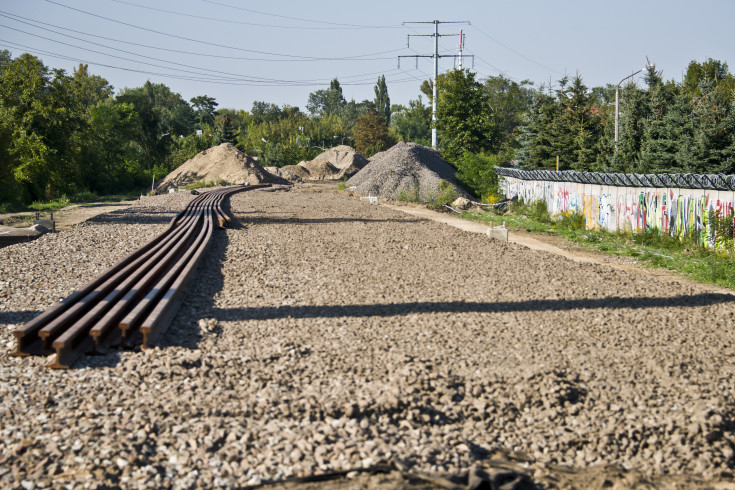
(435, 56)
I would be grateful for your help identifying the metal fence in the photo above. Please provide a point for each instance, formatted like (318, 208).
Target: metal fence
(720, 182)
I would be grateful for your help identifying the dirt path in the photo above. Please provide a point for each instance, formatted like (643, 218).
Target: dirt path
(555, 245)
(66, 217)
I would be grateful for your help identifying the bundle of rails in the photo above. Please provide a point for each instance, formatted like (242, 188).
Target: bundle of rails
(135, 300)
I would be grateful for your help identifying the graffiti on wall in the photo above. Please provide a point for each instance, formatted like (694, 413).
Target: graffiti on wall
(707, 214)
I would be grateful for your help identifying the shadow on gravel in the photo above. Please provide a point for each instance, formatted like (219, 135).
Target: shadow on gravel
(311, 221)
(144, 218)
(10, 317)
(397, 309)
(199, 301)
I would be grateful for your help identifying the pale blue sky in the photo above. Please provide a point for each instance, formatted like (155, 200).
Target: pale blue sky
(280, 51)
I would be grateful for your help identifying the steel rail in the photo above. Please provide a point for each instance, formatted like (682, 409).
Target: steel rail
(102, 316)
(135, 299)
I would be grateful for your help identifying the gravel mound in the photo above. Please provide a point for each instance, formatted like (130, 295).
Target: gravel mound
(399, 341)
(224, 162)
(407, 169)
(292, 173)
(334, 164)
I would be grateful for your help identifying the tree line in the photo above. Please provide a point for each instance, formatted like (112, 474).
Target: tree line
(64, 134)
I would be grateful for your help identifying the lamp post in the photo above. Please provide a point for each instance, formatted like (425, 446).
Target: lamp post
(617, 105)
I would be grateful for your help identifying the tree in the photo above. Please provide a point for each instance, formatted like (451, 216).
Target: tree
(711, 71)
(265, 112)
(353, 110)
(507, 101)
(382, 100)
(659, 141)
(91, 88)
(204, 108)
(371, 134)
(536, 139)
(325, 102)
(42, 121)
(226, 132)
(578, 128)
(414, 122)
(462, 118)
(113, 154)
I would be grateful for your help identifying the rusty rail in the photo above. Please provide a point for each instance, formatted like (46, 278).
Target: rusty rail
(136, 299)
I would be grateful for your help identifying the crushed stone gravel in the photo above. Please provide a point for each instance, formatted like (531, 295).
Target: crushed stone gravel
(405, 169)
(328, 334)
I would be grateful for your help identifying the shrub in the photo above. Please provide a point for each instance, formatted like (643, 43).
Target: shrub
(409, 195)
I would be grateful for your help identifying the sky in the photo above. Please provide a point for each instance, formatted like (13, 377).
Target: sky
(282, 50)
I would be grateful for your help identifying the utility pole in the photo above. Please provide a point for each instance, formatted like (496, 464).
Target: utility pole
(617, 104)
(435, 56)
(461, 47)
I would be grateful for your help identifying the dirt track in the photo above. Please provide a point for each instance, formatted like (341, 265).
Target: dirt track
(328, 334)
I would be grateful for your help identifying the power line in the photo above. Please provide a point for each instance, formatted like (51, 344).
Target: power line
(435, 56)
(253, 24)
(210, 80)
(353, 26)
(175, 36)
(514, 51)
(362, 57)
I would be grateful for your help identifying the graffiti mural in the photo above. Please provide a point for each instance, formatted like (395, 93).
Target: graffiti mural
(705, 214)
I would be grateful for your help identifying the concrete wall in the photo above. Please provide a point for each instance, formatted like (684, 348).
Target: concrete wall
(612, 208)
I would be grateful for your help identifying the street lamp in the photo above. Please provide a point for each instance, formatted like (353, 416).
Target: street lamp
(617, 105)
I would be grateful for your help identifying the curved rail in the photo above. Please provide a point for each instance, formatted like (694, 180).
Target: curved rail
(134, 300)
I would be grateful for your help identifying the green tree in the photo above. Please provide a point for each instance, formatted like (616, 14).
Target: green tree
(507, 101)
(382, 100)
(204, 108)
(226, 132)
(536, 137)
(91, 88)
(659, 141)
(713, 72)
(42, 120)
(371, 134)
(578, 127)
(413, 123)
(114, 160)
(463, 121)
(265, 112)
(326, 102)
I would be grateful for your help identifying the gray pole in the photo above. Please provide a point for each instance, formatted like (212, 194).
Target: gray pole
(434, 141)
(617, 106)
(617, 115)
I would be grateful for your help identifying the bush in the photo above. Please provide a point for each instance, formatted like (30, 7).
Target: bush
(447, 193)
(409, 195)
(477, 173)
(571, 221)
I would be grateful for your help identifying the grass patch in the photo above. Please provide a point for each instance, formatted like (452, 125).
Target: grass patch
(206, 183)
(651, 248)
(64, 201)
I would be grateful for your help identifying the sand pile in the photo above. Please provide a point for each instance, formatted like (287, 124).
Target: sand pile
(334, 164)
(407, 169)
(219, 163)
(292, 173)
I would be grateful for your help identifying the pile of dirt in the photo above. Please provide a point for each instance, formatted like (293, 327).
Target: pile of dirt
(334, 164)
(292, 173)
(407, 170)
(219, 163)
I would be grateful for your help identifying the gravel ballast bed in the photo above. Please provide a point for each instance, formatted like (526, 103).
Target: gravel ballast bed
(328, 334)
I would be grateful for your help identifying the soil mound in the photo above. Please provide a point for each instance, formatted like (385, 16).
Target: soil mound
(406, 170)
(219, 163)
(345, 158)
(334, 164)
(292, 173)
